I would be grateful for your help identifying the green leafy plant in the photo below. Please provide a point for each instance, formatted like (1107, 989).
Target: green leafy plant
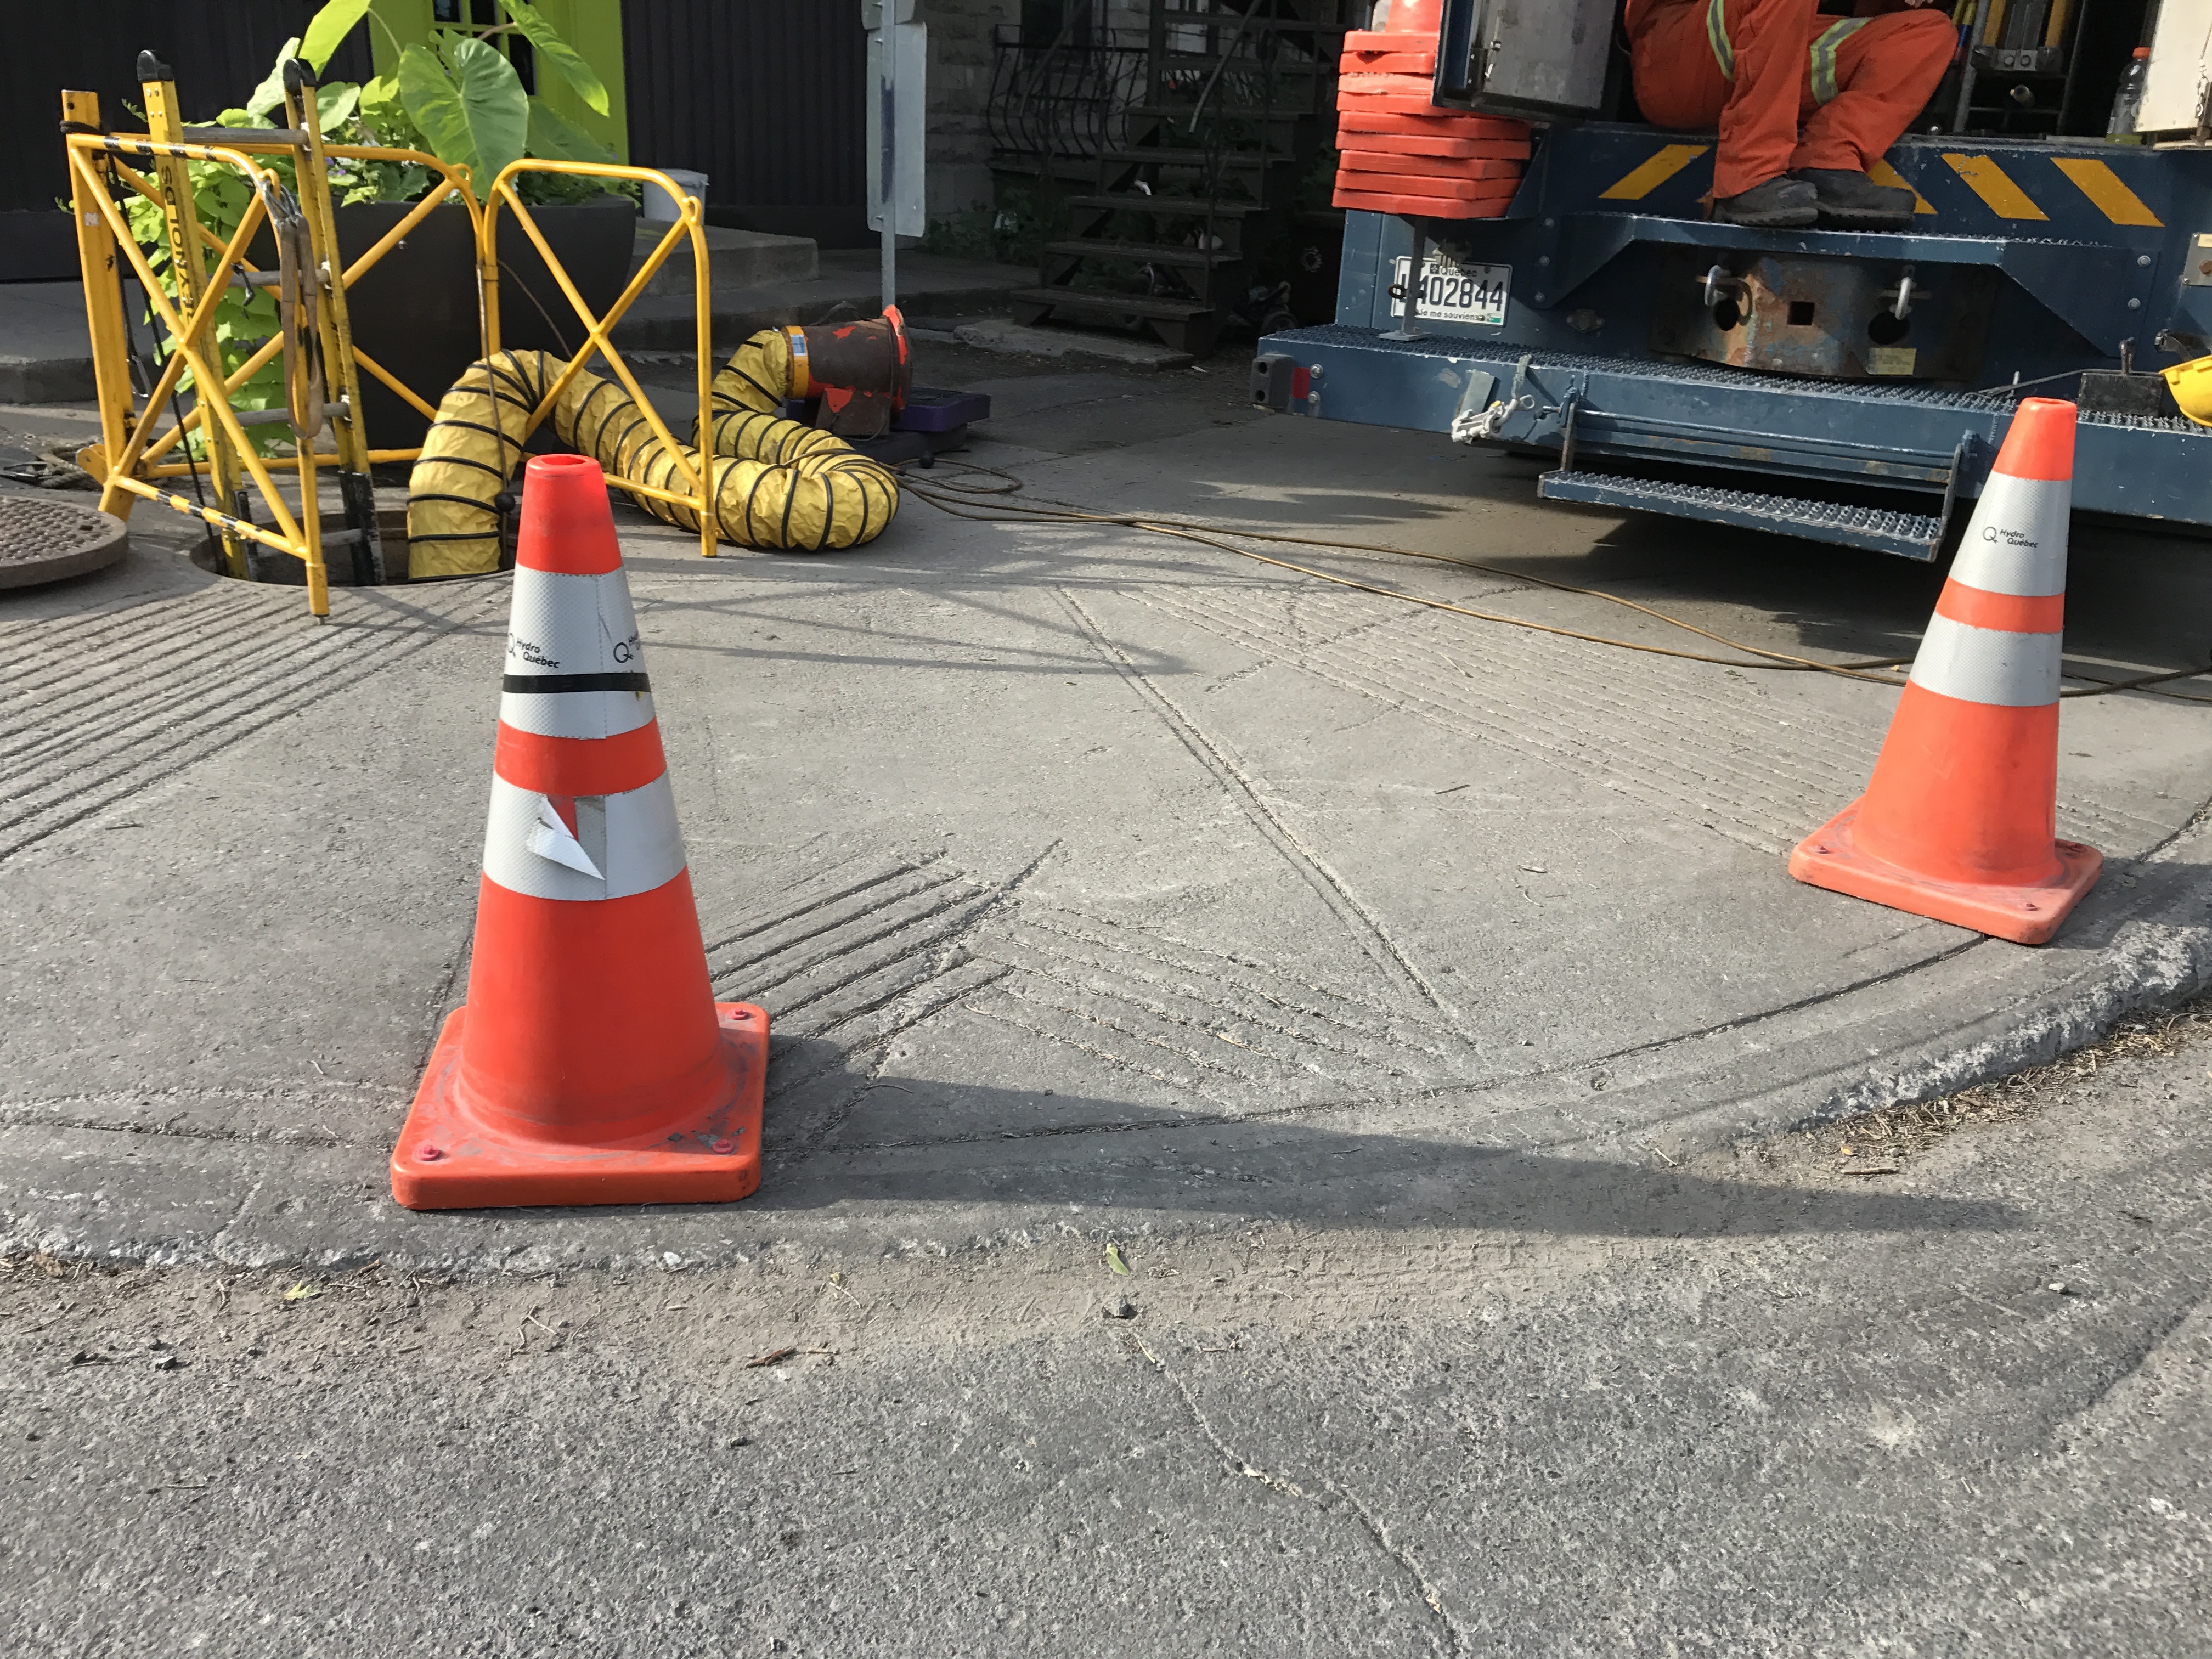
(458, 99)
(243, 316)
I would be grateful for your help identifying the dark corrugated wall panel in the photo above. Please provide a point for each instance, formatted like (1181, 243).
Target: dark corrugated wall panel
(763, 97)
(220, 49)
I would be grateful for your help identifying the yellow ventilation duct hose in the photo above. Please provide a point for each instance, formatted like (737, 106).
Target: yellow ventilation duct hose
(777, 484)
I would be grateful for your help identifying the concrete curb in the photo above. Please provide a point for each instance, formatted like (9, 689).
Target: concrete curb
(46, 379)
(2159, 955)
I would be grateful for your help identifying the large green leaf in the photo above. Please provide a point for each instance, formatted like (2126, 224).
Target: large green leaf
(270, 94)
(477, 117)
(385, 113)
(550, 46)
(327, 33)
(556, 139)
(335, 105)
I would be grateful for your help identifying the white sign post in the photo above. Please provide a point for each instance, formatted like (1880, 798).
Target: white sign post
(897, 137)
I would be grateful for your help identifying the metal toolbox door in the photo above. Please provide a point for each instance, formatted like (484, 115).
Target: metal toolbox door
(1524, 56)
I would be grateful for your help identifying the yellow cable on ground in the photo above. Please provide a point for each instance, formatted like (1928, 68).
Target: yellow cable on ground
(777, 484)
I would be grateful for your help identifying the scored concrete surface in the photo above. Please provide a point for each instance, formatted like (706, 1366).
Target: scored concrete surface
(1092, 878)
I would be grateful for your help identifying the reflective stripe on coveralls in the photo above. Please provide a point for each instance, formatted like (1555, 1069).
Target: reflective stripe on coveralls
(1823, 50)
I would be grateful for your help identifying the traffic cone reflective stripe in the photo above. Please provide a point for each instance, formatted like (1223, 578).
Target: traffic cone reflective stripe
(1959, 820)
(1977, 662)
(582, 848)
(590, 1063)
(575, 704)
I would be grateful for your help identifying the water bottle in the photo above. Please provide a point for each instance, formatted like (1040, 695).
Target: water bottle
(2127, 103)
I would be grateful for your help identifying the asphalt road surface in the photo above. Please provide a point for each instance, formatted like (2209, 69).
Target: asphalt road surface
(1943, 1393)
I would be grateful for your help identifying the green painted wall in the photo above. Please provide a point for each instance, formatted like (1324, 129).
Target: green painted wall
(593, 27)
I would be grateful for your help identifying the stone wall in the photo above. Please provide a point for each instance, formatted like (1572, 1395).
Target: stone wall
(960, 33)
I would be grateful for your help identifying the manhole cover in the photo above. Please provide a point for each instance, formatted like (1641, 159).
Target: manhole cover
(44, 541)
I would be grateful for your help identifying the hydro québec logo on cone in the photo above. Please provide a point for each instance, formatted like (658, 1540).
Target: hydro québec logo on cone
(1958, 822)
(591, 1064)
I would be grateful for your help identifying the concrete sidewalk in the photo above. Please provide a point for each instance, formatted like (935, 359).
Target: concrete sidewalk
(1092, 879)
(1772, 1401)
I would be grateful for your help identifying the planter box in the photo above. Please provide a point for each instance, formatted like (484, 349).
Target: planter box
(416, 312)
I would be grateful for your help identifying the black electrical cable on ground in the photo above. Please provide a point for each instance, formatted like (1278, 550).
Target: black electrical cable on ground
(986, 504)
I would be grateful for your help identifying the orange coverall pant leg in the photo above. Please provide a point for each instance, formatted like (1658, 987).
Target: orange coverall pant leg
(1886, 71)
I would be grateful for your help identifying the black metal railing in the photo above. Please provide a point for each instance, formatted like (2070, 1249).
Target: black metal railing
(1062, 99)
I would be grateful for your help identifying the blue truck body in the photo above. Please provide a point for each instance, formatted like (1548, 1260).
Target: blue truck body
(2050, 267)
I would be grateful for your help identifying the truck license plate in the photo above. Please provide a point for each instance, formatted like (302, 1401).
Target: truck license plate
(1450, 292)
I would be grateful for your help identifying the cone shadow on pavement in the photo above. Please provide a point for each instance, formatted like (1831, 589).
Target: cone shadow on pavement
(591, 1064)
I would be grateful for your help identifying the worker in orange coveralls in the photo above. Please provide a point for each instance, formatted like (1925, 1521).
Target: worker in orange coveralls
(1757, 69)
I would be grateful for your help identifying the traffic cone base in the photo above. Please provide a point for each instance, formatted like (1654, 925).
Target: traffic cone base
(1831, 857)
(452, 1157)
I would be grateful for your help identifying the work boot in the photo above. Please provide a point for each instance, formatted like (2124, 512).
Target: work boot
(1777, 204)
(1851, 201)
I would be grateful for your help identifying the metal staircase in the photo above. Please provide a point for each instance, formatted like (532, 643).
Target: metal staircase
(1235, 99)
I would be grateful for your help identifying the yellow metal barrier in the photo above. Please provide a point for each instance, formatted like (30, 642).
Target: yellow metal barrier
(314, 336)
(322, 365)
(695, 469)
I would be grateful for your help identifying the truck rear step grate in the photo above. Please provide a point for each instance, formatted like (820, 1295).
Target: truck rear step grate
(1912, 535)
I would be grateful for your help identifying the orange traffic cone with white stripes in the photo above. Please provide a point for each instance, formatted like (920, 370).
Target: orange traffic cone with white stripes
(1958, 822)
(591, 1064)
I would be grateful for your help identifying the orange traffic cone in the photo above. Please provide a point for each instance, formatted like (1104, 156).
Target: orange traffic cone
(1958, 822)
(592, 1064)
(1421, 17)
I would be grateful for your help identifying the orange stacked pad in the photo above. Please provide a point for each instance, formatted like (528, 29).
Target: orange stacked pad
(1387, 54)
(1392, 143)
(1398, 152)
(1385, 86)
(1404, 199)
(1421, 63)
(1373, 115)
(1425, 167)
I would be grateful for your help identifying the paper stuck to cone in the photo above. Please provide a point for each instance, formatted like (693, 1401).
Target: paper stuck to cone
(549, 838)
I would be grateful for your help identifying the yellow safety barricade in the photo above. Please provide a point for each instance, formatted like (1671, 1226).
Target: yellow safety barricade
(694, 469)
(322, 366)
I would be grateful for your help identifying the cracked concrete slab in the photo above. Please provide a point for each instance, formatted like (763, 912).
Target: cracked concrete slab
(1077, 867)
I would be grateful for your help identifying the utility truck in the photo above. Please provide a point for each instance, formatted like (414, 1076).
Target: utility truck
(1845, 386)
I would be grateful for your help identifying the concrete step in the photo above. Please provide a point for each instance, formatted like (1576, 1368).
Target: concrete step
(736, 260)
(45, 352)
(928, 285)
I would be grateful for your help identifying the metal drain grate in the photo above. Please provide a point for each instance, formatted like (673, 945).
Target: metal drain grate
(45, 540)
